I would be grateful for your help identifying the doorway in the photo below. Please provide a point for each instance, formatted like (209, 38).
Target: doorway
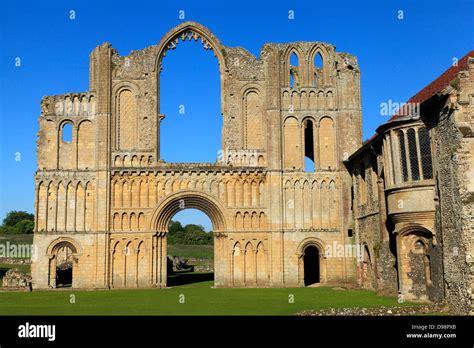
(311, 265)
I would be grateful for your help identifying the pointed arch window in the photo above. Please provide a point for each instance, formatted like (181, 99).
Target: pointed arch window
(293, 70)
(318, 61)
(318, 65)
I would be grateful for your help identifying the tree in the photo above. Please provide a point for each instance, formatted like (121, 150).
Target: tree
(18, 222)
(175, 233)
(24, 227)
(175, 226)
(191, 228)
(190, 234)
(14, 217)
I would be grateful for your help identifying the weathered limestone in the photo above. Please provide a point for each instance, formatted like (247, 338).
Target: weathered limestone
(400, 208)
(106, 198)
(403, 202)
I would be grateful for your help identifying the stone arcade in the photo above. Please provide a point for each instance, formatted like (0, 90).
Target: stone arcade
(104, 200)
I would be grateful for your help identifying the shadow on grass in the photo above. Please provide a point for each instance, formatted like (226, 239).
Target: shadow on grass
(183, 278)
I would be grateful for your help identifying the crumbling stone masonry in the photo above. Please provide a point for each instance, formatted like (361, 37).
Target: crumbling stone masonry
(104, 200)
(414, 189)
(403, 200)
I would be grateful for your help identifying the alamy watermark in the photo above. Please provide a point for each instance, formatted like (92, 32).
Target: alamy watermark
(344, 250)
(28, 330)
(13, 250)
(391, 107)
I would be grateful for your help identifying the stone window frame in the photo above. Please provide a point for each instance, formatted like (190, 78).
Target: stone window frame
(316, 120)
(323, 73)
(408, 163)
(293, 71)
(70, 131)
(426, 153)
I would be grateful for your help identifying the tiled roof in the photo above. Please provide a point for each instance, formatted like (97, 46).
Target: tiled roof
(431, 89)
(438, 84)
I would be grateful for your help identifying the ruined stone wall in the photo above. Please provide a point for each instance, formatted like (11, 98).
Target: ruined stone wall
(134, 102)
(448, 213)
(455, 211)
(465, 160)
(78, 111)
(377, 265)
(420, 230)
(266, 208)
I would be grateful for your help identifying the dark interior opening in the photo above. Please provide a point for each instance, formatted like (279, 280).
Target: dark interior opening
(311, 265)
(64, 275)
(309, 146)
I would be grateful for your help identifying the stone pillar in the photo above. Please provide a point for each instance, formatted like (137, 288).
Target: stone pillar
(163, 259)
(222, 274)
(101, 86)
(52, 271)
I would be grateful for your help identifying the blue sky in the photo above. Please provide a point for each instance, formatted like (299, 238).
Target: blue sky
(397, 57)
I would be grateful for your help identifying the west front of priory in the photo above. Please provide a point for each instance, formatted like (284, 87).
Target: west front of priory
(403, 200)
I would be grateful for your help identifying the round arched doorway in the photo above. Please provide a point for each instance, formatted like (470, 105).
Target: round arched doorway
(63, 256)
(311, 262)
(179, 201)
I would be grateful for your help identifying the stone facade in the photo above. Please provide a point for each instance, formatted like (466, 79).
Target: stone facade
(402, 202)
(105, 198)
(413, 202)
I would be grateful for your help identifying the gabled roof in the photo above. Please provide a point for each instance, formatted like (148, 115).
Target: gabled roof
(437, 85)
(440, 83)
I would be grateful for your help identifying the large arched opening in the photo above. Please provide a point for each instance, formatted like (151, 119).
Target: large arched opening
(190, 248)
(162, 217)
(189, 107)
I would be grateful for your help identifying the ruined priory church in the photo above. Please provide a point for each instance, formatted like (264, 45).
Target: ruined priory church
(394, 214)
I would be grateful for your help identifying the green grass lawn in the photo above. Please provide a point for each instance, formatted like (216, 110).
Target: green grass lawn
(200, 299)
(191, 251)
